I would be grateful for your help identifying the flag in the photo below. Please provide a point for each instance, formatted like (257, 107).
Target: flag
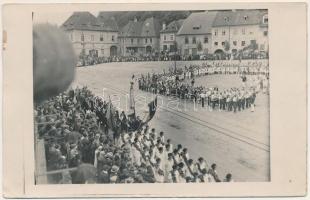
(110, 115)
(152, 110)
(132, 111)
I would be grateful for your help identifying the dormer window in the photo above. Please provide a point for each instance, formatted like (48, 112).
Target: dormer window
(265, 19)
(226, 19)
(196, 27)
(245, 17)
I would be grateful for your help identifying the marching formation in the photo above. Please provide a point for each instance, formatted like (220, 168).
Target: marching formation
(232, 99)
(88, 141)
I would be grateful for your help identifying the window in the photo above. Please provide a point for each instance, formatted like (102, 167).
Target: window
(165, 38)
(235, 43)
(171, 37)
(235, 32)
(165, 47)
(172, 48)
(223, 43)
(196, 27)
(265, 19)
(113, 38)
(151, 40)
(206, 39)
(194, 40)
(265, 33)
(242, 43)
(92, 37)
(82, 37)
(226, 19)
(186, 40)
(101, 37)
(145, 40)
(131, 40)
(243, 31)
(215, 43)
(215, 32)
(223, 32)
(245, 17)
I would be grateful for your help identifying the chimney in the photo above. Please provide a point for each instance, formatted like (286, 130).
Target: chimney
(164, 26)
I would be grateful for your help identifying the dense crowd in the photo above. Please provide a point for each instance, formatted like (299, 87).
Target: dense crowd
(88, 60)
(231, 99)
(99, 144)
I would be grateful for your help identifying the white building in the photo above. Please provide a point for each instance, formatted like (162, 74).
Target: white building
(195, 35)
(236, 30)
(168, 35)
(91, 35)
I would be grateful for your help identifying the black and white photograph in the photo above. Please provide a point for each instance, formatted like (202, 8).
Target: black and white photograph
(177, 96)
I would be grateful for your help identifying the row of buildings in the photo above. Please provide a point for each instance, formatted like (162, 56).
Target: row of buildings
(201, 33)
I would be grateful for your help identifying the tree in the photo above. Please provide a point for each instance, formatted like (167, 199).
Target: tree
(226, 46)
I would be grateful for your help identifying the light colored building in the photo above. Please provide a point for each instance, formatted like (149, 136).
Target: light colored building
(92, 36)
(140, 37)
(236, 30)
(168, 35)
(194, 36)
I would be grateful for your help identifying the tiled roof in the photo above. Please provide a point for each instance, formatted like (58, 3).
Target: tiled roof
(174, 26)
(239, 17)
(198, 23)
(108, 23)
(132, 29)
(87, 21)
(150, 28)
(82, 21)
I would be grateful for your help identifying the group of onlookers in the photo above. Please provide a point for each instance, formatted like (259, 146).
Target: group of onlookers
(89, 141)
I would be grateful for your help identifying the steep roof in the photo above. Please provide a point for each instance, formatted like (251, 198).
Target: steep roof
(108, 23)
(239, 17)
(131, 29)
(173, 27)
(82, 21)
(87, 21)
(198, 23)
(147, 28)
(150, 27)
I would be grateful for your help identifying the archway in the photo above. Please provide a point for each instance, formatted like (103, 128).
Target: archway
(148, 49)
(219, 53)
(113, 51)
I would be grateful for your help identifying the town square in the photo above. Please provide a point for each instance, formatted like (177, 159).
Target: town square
(160, 97)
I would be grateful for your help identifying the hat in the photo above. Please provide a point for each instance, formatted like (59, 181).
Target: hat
(110, 154)
(114, 169)
(129, 180)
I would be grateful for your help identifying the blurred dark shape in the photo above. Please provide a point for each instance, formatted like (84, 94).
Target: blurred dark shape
(54, 61)
(86, 173)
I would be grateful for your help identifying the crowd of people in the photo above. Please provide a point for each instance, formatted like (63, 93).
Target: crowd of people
(90, 141)
(231, 99)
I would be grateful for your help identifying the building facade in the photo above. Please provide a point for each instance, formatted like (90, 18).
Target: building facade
(195, 35)
(140, 38)
(92, 36)
(237, 30)
(168, 36)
